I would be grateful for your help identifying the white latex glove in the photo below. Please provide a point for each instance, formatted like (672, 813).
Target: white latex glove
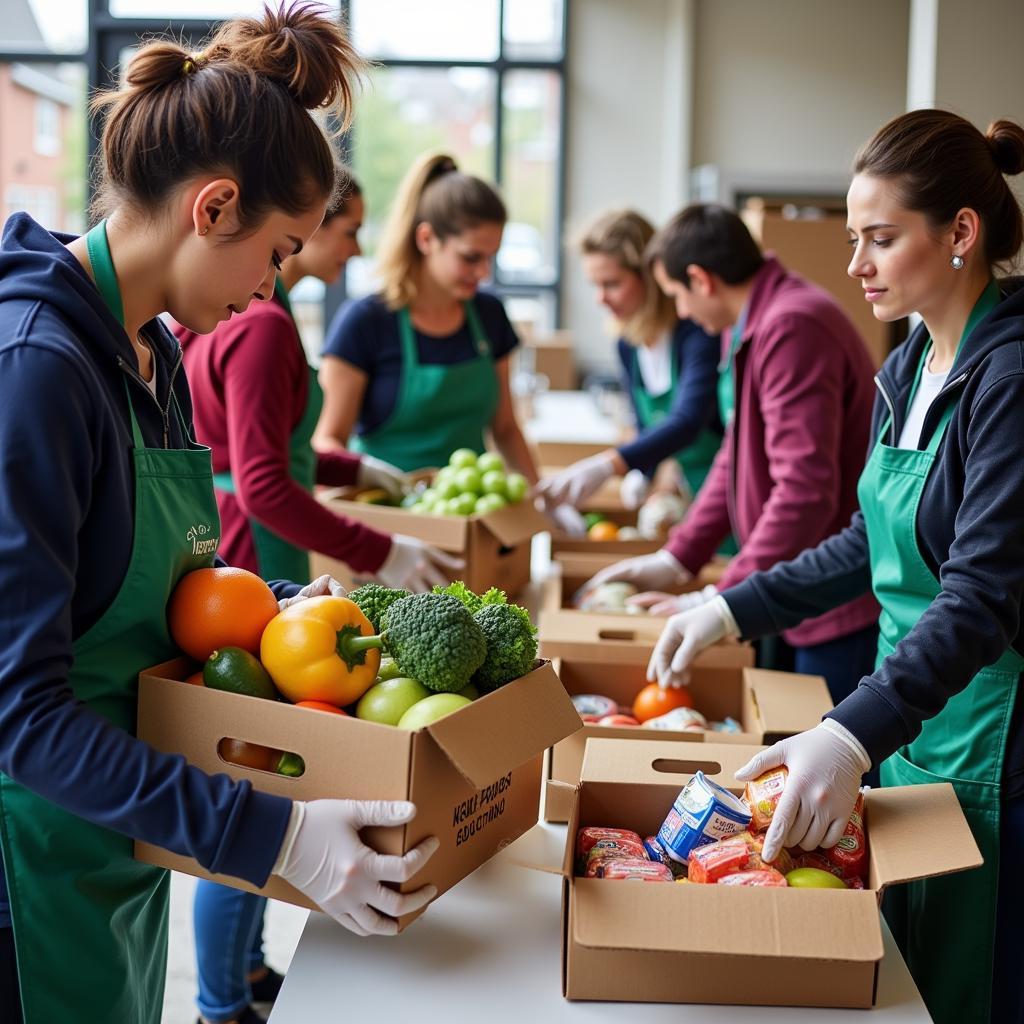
(321, 586)
(634, 489)
(574, 484)
(685, 635)
(568, 519)
(825, 768)
(414, 565)
(323, 857)
(658, 603)
(657, 571)
(378, 473)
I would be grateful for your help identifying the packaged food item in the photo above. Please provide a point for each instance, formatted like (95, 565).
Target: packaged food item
(634, 869)
(612, 849)
(679, 720)
(702, 813)
(608, 597)
(654, 852)
(755, 842)
(761, 876)
(763, 795)
(850, 854)
(729, 725)
(586, 838)
(620, 720)
(594, 704)
(707, 864)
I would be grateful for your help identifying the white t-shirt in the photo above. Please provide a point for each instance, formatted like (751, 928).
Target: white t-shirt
(655, 365)
(931, 384)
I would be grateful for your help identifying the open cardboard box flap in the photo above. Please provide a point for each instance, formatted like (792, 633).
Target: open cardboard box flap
(515, 524)
(785, 702)
(711, 919)
(492, 734)
(897, 818)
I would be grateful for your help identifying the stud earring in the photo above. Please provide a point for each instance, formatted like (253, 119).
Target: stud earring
(956, 262)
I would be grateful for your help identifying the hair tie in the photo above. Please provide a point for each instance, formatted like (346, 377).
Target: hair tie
(188, 67)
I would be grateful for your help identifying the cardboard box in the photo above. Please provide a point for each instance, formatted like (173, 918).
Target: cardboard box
(474, 776)
(495, 547)
(570, 570)
(551, 354)
(670, 943)
(723, 682)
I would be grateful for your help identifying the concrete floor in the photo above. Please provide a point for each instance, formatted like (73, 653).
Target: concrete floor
(281, 934)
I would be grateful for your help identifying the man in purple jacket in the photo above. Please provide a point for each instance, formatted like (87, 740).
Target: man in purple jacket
(796, 394)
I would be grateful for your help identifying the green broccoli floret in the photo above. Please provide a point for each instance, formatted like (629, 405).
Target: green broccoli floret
(511, 645)
(434, 639)
(374, 600)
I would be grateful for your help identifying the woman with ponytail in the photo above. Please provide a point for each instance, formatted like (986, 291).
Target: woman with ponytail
(213, 172)
(940, 540)
(421, 368)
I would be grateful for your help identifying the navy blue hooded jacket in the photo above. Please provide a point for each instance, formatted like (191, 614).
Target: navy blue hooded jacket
(694, 403)
(66, 528)
(970, 527)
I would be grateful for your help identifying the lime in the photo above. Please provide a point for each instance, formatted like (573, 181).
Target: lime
(237, 671)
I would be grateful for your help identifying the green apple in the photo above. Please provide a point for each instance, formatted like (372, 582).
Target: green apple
(429, 497)
(489, 503)
(432, 708)
(516, 486)
(447, 489)
(419, 509)
(464, 504)
(493, 482)
(463, 458)
(814, 878)
(468, 480)
(443, 508)
(490, 462)
(469, 691)
(386, 702)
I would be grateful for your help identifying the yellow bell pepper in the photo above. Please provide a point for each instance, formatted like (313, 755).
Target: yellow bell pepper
(323, 648)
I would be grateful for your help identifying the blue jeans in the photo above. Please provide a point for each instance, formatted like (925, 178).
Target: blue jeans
(228, 926)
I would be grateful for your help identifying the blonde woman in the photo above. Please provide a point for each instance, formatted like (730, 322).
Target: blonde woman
(421, 368)
(669, 366)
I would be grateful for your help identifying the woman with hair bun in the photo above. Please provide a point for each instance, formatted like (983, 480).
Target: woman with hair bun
(940, 540)
(421, 368)
(213, 172)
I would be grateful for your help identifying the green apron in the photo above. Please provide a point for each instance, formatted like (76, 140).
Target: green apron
(440, 407)
(276, 558)
(694, 460)
(90, 922)
(945, 926)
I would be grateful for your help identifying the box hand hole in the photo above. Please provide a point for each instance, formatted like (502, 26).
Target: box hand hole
(670, 766)
(259, 758)
(621, 635)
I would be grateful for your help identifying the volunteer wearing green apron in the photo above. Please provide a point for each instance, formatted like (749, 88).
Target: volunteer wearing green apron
(668, 367)
(106, 500)
(421, 368)
(939, 541)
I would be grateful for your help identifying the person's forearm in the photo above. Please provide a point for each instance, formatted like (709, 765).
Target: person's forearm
(513, 447)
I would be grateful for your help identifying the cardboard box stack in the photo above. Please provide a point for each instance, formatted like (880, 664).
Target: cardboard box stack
(665, 942)
(475, 775)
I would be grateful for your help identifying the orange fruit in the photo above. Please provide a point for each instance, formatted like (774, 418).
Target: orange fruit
(321, 705)
(248, 755)
(196, 679)
(652, 701)
(220, 607)
(603, 530)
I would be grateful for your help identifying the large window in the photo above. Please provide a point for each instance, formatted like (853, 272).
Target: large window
(484, 81)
